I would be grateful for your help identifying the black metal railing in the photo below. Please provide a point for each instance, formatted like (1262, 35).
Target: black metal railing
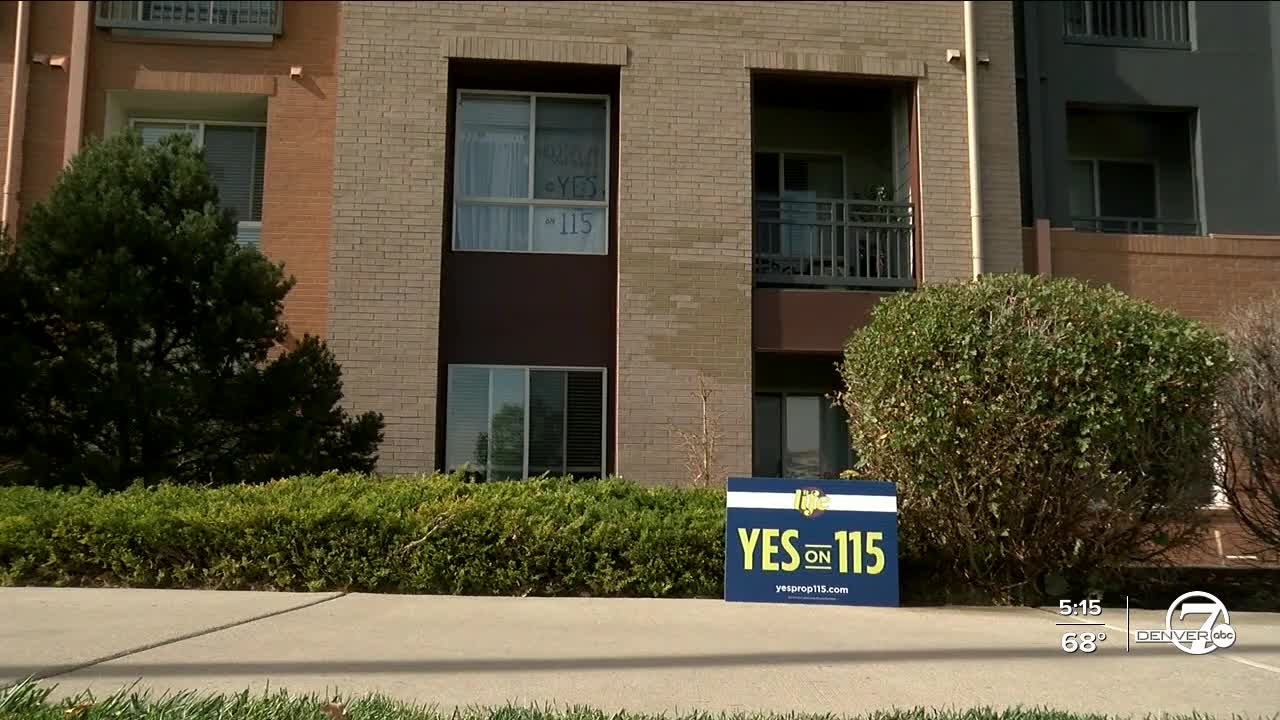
(250, 17)
(1135, 23)
(852, 243)
(1136, 226)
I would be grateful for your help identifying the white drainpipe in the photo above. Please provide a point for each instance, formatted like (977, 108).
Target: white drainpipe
(17, 119)
(971, 116)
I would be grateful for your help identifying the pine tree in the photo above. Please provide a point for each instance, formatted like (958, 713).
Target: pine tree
(136, 335)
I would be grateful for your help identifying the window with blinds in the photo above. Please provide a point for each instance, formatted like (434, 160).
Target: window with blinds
(507, 423)
(236, 157)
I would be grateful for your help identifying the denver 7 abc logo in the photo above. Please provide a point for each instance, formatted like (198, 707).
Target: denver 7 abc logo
(1214, 633)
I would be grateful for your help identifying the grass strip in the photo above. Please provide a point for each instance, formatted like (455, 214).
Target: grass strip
(31, 701)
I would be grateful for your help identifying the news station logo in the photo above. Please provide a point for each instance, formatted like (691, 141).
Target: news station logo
(1214, 632)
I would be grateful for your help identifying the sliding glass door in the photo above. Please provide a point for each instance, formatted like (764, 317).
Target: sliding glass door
(799, 435)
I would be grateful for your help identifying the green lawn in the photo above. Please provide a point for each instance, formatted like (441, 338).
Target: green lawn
(29, 701)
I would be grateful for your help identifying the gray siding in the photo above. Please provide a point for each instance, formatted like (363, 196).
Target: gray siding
(1228, 77)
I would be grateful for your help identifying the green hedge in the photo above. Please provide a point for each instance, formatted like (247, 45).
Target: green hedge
(348, 532)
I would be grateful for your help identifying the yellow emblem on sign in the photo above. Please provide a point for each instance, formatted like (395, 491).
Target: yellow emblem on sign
(811, 501)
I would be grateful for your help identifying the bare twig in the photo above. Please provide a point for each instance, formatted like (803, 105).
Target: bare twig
(701, 446)
(1249, 471)
(440, 520)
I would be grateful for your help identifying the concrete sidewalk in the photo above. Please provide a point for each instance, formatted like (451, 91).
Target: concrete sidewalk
(638, 655)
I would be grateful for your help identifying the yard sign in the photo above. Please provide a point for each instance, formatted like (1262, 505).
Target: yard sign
(792, 540)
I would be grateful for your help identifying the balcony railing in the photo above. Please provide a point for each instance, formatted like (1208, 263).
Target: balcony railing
(1136, 226)
(1133, 23)
(245, 17)
(822, 243)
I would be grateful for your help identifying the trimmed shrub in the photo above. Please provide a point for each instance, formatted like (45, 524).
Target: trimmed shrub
(1041, 433)
(431, 534)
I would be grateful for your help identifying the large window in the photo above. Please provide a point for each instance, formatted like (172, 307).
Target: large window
(236, 154)
(532, 173)
(507, 423)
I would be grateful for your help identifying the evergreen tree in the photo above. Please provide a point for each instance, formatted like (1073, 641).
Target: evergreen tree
(135, 338)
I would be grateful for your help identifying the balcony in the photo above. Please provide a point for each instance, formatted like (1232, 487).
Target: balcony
(833, 177)
(1133, 171)
(244, 19)
(833, 243)
(1129, 23)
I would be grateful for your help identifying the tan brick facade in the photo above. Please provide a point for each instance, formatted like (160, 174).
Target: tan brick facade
(684, 215)
(298, 180)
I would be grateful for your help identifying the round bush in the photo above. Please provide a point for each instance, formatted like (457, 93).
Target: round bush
(1041, 432)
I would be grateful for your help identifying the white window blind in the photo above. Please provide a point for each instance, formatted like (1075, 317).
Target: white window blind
(236, 157)
(531, 173)
(507, 423)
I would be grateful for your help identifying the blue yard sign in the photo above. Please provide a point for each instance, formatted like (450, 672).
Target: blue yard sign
(831, 542)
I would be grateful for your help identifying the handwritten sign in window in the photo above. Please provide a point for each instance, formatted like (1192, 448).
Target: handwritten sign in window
(569, 229)
(569, 153)
(565, 207)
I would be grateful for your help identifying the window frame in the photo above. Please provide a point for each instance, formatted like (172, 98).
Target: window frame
(531, 201)
(527, 370)
(782, 153)
(824, 400)
(1095, 169)
(199, 141)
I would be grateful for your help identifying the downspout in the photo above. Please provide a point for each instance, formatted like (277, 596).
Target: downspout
(79, 75)
(971, 116)
(17, 118)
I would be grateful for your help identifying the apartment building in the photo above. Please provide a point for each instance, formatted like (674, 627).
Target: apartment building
(531, 230)
(550, 219)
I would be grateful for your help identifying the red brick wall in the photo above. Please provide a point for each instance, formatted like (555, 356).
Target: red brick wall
(298, 182)
(1200, 277)
(46, 100)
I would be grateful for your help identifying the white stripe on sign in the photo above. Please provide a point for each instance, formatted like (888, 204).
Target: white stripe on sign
(836, 503)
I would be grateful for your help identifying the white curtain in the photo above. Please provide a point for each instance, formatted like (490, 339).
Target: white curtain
(493, 162)
(568, 163)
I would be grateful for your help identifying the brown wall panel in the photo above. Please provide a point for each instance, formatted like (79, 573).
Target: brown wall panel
(808, 321)
(500, 308)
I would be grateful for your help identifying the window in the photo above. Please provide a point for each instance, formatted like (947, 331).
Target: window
(532, 173)
(1115, 195)
(507, 423)
(793, 186)
(236, 155)
(799, 436)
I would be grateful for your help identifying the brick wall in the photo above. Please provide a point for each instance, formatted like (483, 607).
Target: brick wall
(43, 136)
(298, 180)
(300, 120)
(684, 276)
(1200, 277)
